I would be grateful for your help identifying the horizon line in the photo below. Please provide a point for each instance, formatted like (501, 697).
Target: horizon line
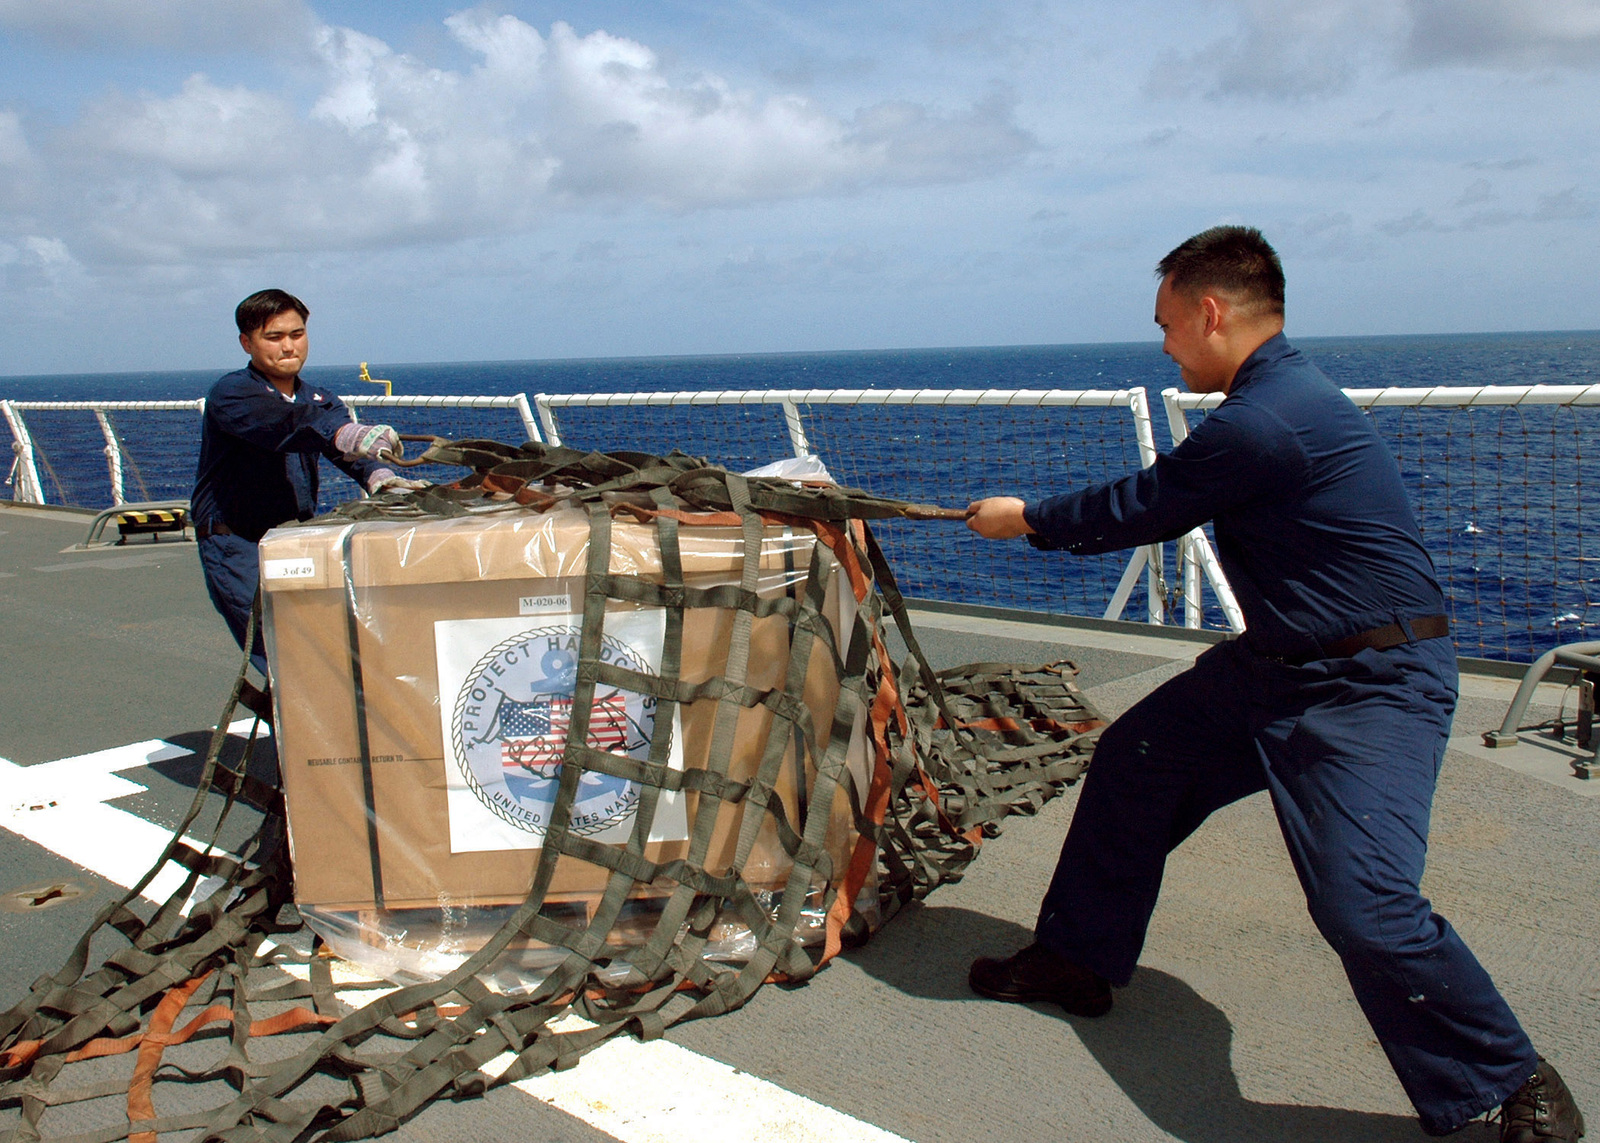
(1153, 343)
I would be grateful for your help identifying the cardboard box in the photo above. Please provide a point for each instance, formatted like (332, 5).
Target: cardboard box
(462, 634)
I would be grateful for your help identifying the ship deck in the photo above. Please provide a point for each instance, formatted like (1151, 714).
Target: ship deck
(1239, 1024)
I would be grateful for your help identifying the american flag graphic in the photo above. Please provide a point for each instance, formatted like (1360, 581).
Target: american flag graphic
(533, 734)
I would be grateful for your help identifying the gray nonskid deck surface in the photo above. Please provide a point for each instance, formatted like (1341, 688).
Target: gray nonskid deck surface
(105, 647)
(1239, 1024)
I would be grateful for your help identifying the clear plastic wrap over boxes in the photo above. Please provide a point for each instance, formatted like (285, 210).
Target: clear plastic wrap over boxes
(423, 674)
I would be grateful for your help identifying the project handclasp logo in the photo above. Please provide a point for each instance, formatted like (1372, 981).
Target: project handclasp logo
(510, 729)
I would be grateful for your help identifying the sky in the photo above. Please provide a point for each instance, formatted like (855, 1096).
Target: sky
(551, 180)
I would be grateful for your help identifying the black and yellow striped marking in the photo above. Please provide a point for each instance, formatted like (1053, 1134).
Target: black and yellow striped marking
(153, 520)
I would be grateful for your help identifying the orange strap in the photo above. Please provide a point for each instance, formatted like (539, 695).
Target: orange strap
(24, 1052)
(885, 704)
(153, 1042)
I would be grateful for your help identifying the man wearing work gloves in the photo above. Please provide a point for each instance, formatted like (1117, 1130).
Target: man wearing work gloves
(1337, 700)
(263, 431)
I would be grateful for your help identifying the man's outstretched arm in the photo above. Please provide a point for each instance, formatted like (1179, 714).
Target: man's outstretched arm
(998, 518)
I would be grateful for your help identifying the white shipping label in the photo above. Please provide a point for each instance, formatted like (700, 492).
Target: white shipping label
(544, 604)
(505, 702)
(289, 569)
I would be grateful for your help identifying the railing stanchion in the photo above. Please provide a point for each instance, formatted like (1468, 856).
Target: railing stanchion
(1130, 576)
(27, 489)
(797, 429)
(529, 425)
(113, 455)
(1154, 554)
(1193, 609)
(547, 417)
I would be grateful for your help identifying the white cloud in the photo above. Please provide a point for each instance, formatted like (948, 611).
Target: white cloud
(1288, 49)
(1478, 190)
(181, 25)
(1515, 33)
(38, 264)
(1418, 220)
(395, 151)
(14, 149)
(1285, 49)
(1561, 206)
(203, 131)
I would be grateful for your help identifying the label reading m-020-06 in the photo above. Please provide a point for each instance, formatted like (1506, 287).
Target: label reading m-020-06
(541, 604)
(289, 569)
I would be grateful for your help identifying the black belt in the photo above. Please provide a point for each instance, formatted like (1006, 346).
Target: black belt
(1377, 639)
(206, 531)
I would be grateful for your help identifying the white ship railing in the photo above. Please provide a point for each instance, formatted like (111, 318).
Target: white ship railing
(517, 402)
(1437, 396)
(29, 489)
(541, 419)
(1149, 559)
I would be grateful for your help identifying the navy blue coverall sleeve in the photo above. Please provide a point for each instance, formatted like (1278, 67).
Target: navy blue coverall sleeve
(260, 416)
(258, 453)
(1314, 528)
(1234, 458)
(265, 420)
(258, 469)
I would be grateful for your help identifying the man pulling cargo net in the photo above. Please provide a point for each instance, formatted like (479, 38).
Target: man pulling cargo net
(611, 737)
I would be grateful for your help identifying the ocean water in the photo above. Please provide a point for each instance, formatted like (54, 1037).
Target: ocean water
(1570, 358)
(1502, 494)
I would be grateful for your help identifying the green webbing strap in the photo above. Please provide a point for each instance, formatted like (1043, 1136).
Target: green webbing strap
(358, 690)
(66, 1010)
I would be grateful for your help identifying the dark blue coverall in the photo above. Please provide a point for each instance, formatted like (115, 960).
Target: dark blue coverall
(1316, 535)
(258, 469)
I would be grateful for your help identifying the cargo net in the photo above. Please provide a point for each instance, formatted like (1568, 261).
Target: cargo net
(222, 988)
(943, 454)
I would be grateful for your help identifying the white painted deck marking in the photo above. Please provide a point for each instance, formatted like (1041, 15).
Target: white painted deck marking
(638, 1093)
(61, 806)
(663, 1093)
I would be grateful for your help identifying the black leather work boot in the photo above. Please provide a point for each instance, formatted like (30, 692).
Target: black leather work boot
(1541, 1109)
(1036, 973)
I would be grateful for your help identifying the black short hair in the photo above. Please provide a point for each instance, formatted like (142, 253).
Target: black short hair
(264, 305)
(1232, 259)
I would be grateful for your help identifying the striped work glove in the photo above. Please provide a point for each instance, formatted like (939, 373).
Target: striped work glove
(356, 440)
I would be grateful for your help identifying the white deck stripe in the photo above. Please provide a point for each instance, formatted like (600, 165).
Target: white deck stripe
(663, 1093)
(638, 1093)
(61, 806)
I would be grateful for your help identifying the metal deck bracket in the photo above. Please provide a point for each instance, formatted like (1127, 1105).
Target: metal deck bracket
(1582, 657)
(178, 509)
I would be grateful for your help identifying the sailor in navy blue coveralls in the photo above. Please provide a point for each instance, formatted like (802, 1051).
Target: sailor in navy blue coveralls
(1316, 536)
(258, 469)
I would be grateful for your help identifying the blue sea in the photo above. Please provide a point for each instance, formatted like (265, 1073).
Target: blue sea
(1502, 494)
